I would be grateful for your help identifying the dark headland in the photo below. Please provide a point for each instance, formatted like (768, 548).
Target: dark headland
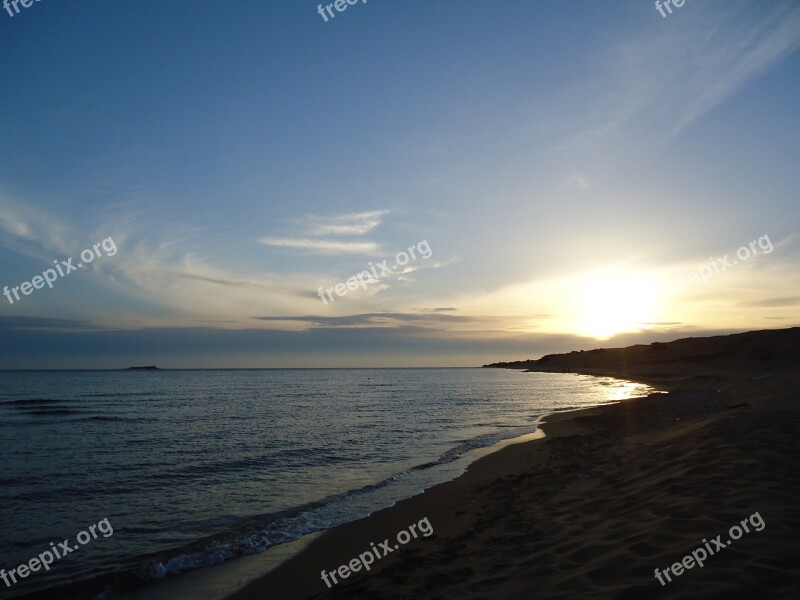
(754, 350)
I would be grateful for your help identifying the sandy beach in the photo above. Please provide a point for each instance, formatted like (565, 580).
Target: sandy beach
(608, 496)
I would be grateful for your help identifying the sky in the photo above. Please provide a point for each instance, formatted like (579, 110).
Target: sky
(554, 174)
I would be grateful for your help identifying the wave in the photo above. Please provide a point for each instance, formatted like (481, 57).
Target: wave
(124, 395)
(294, 523)
(111, 418)
(32, 402)
(45, 412)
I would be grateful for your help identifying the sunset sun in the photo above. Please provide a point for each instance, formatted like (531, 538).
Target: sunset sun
(611, 305)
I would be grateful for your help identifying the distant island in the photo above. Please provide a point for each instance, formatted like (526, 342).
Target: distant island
(150, 368)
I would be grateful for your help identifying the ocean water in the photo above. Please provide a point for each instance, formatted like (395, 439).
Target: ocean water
(192, 468)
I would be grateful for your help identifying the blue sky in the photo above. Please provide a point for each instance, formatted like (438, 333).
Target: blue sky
(566, 162)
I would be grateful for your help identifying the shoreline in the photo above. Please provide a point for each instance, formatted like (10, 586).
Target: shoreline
(190, 583)
(551, 425)
(270, 564)
(544, 515)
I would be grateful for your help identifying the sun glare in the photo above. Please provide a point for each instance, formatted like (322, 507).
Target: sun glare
(616, 304)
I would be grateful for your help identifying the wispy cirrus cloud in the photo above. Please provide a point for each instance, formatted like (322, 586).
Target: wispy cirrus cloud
(681, 73)
(772, 302)
(350, 224)
(315, 231)
(33, 232)
(740, 56)
(323, 245)
(375, 319)
(421, 319)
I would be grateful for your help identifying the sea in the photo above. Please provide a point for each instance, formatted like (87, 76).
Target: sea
(194, 468)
